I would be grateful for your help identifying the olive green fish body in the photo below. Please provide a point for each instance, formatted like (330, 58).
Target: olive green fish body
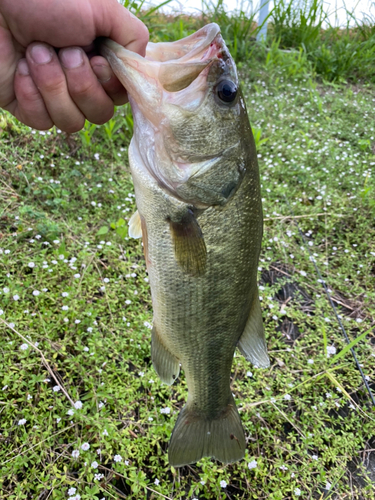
(195, 172)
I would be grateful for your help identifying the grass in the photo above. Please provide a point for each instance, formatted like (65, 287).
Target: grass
(82, 411)
(334, 54)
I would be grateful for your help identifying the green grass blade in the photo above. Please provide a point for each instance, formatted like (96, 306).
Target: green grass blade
(349, 346)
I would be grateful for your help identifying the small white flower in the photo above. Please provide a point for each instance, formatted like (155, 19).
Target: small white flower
(16, 297)
(23, 347)
(58, 419)
(22, 421)
(65, 308)
(71, 491)
(297, 492)
(157, 481)
(165, 410)
(283, 467)
(1, 312)
(223, 484)
(310, 361)
(70, 412)
(56, 388)
(36, 293)
(65, 294)
(105, 432)
(94, 465)
(78, 405)
(75, 454)
(77, 275)
(6, 290)
(328, 395)
(314, 457)
(31, 264)
(328, 485)
(85, 446)
(117, 458)
(141, 374)
(77, 321)
(249, 374)
(331, 349)
(253, 464)
(287, 397)
(98, 477)
(147, 325)
(128, 301)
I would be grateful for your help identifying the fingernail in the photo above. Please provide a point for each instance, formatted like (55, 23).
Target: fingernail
(103, 73)
(71, 58)
(23, 67)
(41, 54)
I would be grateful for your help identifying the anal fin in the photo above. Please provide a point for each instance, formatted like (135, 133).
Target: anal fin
(189, 246)
(252, 343)
(166, 364)
(135, 226)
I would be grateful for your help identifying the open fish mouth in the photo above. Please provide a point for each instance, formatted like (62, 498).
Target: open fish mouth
(181, 115)
(169, 67)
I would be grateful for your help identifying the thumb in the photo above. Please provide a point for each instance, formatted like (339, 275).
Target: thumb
(122, 26)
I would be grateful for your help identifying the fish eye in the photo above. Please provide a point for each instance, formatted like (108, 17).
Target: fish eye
(226, 91)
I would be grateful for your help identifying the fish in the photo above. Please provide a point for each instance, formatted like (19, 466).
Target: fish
(194, 166)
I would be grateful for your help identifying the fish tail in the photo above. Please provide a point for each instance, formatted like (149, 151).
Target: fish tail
(195, 436)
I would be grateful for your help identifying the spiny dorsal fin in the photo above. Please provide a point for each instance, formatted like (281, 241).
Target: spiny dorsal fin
(189, 246)
(135, 227)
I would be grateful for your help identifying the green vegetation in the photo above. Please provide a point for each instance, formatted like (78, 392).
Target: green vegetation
(82, 412)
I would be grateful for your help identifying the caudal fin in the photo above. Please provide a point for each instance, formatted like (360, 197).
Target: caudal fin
(195, 437)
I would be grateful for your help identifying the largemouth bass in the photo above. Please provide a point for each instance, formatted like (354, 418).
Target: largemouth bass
(196, 179)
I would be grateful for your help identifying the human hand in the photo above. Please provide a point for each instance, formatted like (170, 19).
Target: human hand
(43, 87)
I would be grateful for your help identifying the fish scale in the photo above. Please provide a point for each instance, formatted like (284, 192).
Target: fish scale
(196, 180)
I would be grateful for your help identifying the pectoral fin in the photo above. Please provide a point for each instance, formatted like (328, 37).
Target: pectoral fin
(189, 246)
(135, 226)
(252, 343)
(165, 363)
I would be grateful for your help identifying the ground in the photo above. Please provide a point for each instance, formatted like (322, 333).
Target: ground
(82, 412)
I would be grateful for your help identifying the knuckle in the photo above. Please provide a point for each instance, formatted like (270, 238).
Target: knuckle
(143, 33)
(82, 88)
(103, 117)
(36, 121)
(76, 126)
(53, 87)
